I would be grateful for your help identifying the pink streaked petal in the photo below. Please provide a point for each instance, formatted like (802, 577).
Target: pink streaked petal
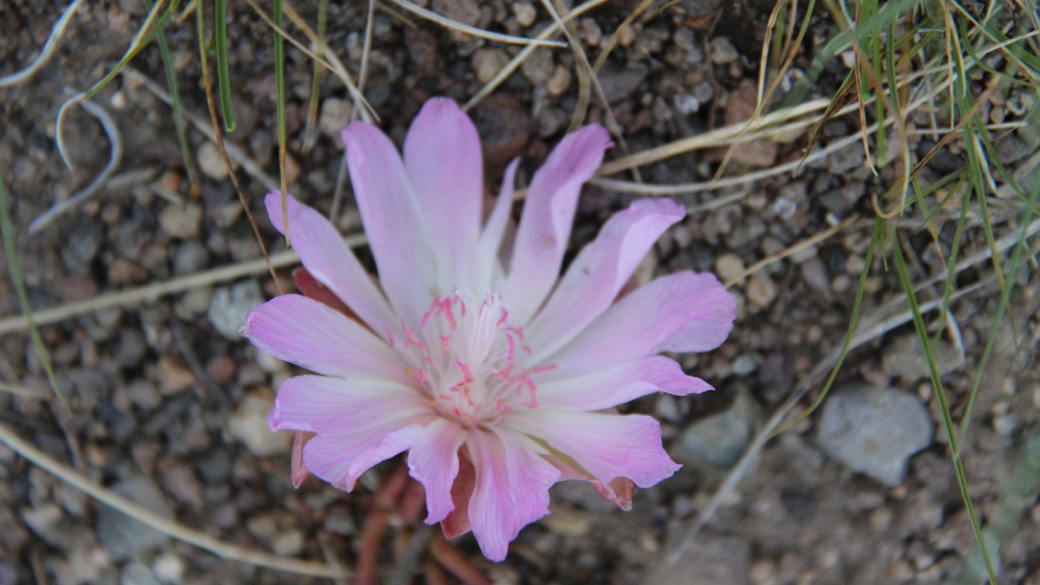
(434, 462)
(618, 491)
(298, 471)
(329, 260)
(491, 238)
(457, 521)
(598, 273)
(330, 406)
(397, 233)
(617, 385)
(341, 459)
(679, 312)
(445, 166)
(305, 332)
(512, 488)
(545, 226)
(606, 445)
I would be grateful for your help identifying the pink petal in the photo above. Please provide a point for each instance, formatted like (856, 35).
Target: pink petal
(397, 233)
(332, 406)
(598, 273)
(298, 471)
(491, 238)
(309, 334)
(457, 521)
(545, 226)
(512, 488)
(679, 312)
(329, 260)
(606, 445)
(617, 385)
(341, 459)
(444, 163)
(618, 491)
(434, 462)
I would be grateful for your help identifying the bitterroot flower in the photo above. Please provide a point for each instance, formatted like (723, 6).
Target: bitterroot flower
(498, 376)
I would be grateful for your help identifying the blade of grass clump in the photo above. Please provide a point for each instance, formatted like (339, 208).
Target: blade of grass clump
(279, 83)
(23, 298)
(940, 395)
(178, 110)
(223, 74)
(310, 135)
(875, 240)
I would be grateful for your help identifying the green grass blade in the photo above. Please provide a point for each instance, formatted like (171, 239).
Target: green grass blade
(279, 76)
(311, 134)
(223, 75)
(7, 229)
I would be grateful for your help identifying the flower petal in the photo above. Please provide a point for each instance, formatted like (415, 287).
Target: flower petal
(396, 231)
(545, 226)
(457, 521)
(332, 406)
(331, 262)
(598, 273)
(434, 462)
(444, 163)
(608, 446)
(305, 332)
(617, 385)
(679, 312)
(512, 488)
(341, 459)
(491, 238)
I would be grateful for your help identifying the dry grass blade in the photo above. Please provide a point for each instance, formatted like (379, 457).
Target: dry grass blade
(168, 527)
(48, 49)
(114, 157)
(791, 250)
(472, 30)
(524, 53)
(23, 391)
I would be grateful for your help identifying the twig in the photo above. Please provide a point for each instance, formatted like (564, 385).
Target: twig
(164, 525)
(114, 157)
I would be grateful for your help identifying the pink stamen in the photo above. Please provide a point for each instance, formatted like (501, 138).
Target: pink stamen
(545, 368)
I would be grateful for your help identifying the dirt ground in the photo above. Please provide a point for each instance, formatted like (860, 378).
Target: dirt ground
(168, 403)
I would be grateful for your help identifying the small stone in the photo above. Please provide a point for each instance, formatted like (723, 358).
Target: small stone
(845, 159)
(180, 481)
(121, 535)
(174, 375)
(249, 426)
(137, 574)
(687, 104)
(718, 440)
(620, 84)
(191, 257)
(335, 116)
(739, 108)
(874, 430)
(905, 358)
(230, 305)
(292, 169)
(78, 287)
(591, 31)
(525, 13)
(222, 369)
(338, 521)
(744, 365)
(559, 81)
(169, 568)
(721, 51)
(488, 62)
(550, 121)
(181, 222)
(667, 408)
(288, 544)
(124, 272)
(761, 291)
(464, 11)
(538, 66)
(729, 266)
(211, 163)
(1005, 425)
(568, 522)
(504, 127)
(626, 36)
(814, 271)
(422, 48)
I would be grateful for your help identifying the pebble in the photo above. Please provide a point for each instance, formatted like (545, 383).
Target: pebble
(121, 535)
(619, 84)
(559, 81)
(721, 51)
(191, 257)
(174, 375)
(211, 163)
(181, 222)
(903, 357)
(137, 574)
(667, 408)
(288, 544)
(525, 13)
(334, 117)
(761, 291)
(422, 48)
(249, 426)
(123, 272)
(488, 62)
(504, 126)
(719, 439)
(222, 369)
(568, 522)
(845, 159)
(874, 430)
(464, 11)
(687, 104)
(539, 66)
(729, 266)
(814, 271)
(230, 305)
(744, 365)
(169, 568)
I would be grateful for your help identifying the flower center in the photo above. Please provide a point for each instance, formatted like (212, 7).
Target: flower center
(463, 356)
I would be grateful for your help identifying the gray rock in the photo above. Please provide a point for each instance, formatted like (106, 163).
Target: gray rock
(620, 84)
(121, 535)
(191, 257)
(874, 430)
(905, 358)
(845, 159)
(229, 306)
(137, 574)
(720, 439)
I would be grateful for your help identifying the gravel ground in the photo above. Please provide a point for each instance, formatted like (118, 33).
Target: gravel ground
(168, 402)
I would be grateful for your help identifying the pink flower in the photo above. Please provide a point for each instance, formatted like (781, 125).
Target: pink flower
(497, 375)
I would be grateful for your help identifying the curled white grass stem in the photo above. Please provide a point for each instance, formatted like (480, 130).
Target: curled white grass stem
(48, 48)
(114, 157)
(164, 525)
